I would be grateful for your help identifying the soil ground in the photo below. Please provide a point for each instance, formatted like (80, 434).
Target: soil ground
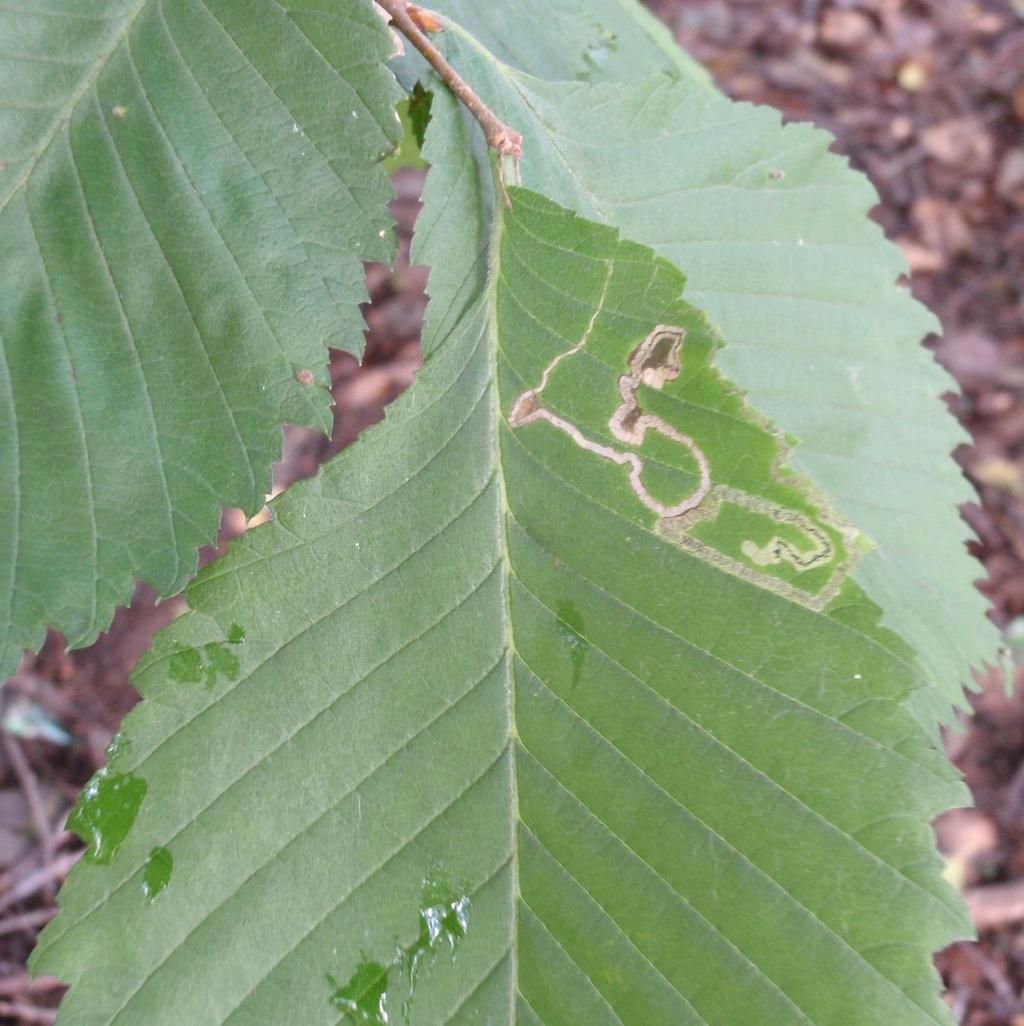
(927, 96)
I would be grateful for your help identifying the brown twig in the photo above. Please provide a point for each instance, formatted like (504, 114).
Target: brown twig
(30, 788)
(21, 869)
(995, 976)
(26, 921)
(506, 141)
(19, 985)
(27, 1013)
(31, 884)
(994, 906)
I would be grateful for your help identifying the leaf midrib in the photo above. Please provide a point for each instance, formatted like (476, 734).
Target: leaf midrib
(64, 117)
(505, 565)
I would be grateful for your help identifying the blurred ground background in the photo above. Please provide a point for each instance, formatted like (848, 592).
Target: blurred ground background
(927, 96)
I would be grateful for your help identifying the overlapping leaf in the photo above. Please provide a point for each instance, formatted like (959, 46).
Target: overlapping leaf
(187, 193)
(572, 39)
(470, 689)
(771, 230)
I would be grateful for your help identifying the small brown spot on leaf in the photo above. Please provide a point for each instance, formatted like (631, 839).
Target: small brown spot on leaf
(118, 110)
(525, 407)
(305, 378)
(777, 174)
(426, 21)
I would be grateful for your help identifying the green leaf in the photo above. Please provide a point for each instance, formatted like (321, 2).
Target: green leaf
(771, 230)
(183, 220)
(567, 39)
(636, 43)
(555, 35)
(502, 743)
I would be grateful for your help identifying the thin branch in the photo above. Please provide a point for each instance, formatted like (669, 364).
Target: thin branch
(19, 984)
(30, 789)
(27, 1013)
(34, 882)
(27, 921)
(506, 141)
(995, 906)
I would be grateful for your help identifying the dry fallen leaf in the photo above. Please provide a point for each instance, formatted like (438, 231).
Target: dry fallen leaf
(1010, 179)
(941, 225)
(920, 259)
(847, 29)
(1000, 473)
(959, 142)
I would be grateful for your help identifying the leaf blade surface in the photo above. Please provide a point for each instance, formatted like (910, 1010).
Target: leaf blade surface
(183, 222)
(471, 650)
(772, 231)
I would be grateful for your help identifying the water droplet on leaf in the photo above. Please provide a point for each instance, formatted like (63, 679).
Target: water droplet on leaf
(105, 812)
(158, 872)
(444, 924)
(570, 627)
(120, 744)
(364, 998)
(204, 665)
(186, 666)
